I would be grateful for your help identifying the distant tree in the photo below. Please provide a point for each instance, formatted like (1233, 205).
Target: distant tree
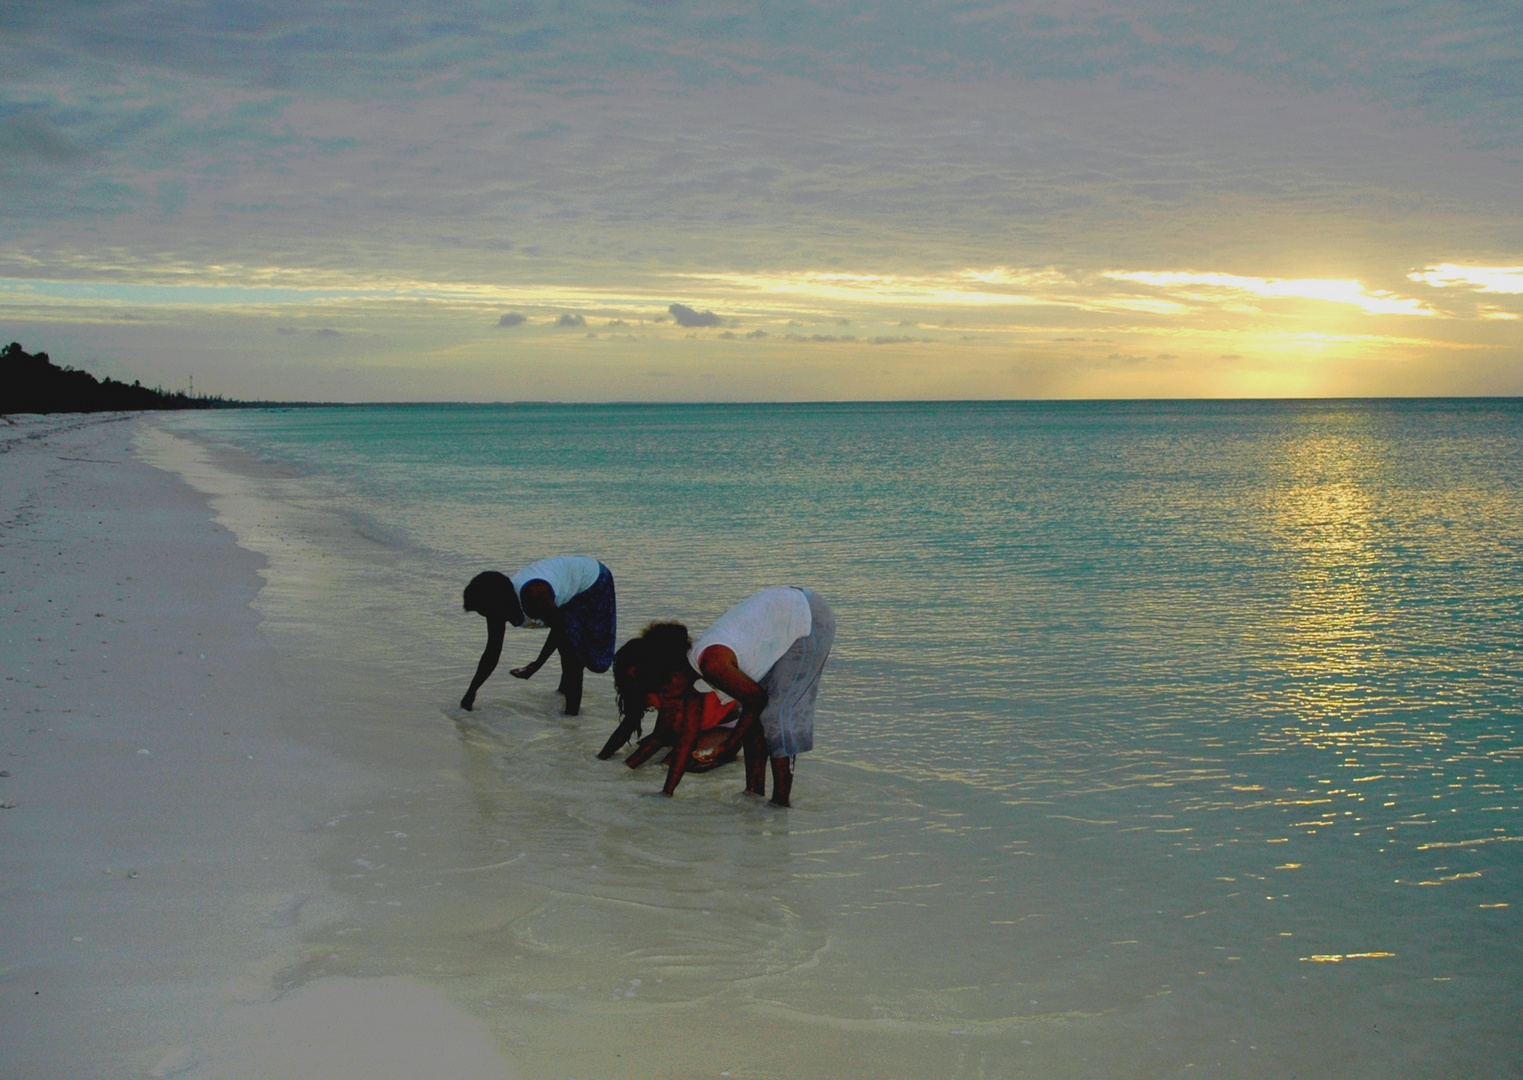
(32, 383)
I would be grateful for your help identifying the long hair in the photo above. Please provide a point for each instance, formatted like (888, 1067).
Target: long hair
(644, 665)
(626, 686)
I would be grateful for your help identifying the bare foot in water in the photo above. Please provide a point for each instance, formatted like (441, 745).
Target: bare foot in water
(782, 780)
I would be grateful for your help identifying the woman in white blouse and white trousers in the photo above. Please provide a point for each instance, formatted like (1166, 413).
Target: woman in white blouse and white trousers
(767, 652)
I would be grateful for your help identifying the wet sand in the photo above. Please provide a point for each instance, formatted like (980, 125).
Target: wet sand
(162, 832)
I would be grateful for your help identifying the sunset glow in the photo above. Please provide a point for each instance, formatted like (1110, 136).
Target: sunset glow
(918, 202)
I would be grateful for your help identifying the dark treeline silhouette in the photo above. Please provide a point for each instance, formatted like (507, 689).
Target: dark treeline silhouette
(32, 383)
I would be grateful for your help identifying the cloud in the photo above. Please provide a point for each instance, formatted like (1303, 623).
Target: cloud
(686, 316)
(27, 135)
(512, 318)
(1444, 58)
(874, 163)
(481, 243)
(1507, 280)
(569, 319)
(328, 331)
(971, 287)
(546, 131)
(1331, 290)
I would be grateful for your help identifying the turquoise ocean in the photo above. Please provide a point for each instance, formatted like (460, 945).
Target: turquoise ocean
(1158, 738)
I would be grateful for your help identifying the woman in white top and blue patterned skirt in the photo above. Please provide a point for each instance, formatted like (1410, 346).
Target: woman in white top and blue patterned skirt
(767, 652)
(572, 595)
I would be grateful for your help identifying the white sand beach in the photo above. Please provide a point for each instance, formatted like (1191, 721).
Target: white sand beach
(159, 842)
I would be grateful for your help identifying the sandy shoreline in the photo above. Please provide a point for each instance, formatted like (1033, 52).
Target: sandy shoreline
(160, 849)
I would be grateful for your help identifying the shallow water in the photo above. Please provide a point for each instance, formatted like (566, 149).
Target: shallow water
(1156, 736)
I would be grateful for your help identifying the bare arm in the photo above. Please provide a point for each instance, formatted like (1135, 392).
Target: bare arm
(538, 602)
(687, 736)
(644, 750)
(621, 736)
(552, 642)
(719, 667)
(496, 628)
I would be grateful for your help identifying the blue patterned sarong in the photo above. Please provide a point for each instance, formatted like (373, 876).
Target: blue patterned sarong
(591, 623)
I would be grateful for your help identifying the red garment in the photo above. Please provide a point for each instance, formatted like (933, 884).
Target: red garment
(716, 712)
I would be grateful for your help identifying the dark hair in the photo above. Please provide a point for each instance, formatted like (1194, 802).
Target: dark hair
(626, 685)
(642, 666)
(491, 593)
(664, 653)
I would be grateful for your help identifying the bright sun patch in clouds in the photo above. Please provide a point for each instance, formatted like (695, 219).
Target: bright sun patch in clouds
(1507, 280)
(1211, 286)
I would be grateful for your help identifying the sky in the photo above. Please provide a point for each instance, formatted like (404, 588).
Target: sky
(650, 200)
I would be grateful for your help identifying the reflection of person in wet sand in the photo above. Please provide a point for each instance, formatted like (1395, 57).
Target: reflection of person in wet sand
(572, 595)
(766, 652)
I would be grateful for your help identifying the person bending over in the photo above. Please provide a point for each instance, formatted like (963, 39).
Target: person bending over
(715, 717)
(767, 652)
(572, 595)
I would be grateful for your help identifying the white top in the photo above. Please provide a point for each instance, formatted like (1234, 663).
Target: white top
(758, 630)
(567, 575)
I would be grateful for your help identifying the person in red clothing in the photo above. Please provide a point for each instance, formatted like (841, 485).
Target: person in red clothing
(767, 652)
(714, 717)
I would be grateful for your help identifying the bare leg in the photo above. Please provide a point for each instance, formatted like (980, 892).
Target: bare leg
(756, 761)
(571, 682)
(782, 780)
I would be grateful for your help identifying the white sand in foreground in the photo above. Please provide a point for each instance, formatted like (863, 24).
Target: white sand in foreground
(159, 829)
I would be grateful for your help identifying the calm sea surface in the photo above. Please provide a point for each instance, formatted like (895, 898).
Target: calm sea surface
(1157, 737)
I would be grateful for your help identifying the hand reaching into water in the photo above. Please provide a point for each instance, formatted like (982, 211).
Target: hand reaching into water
(713, 749)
